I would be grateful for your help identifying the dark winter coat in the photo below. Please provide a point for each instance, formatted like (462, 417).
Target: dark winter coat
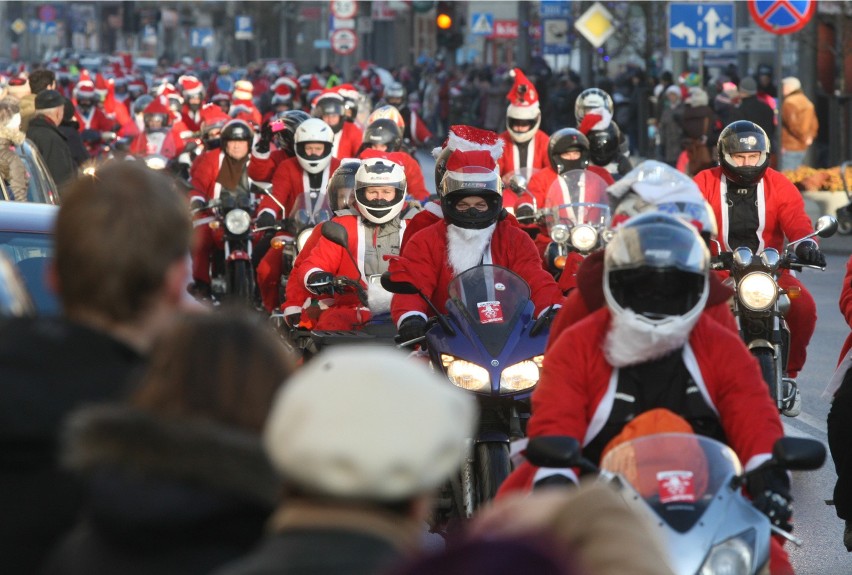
(53, 147)
(165, 495)
(760, 113)
(48, 367)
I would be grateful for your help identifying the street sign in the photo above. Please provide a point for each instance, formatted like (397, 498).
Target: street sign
(47, 28)
(321, 44)
(18, 26)
(338, 23)
(695, 26)
(555, 36)
(505, 29)
(596, 25)
(201, 37)
(482, 24)
(244, 28)
(344, 41)
(782, 16)
(554, 9)
(344, 9)
(755, 40)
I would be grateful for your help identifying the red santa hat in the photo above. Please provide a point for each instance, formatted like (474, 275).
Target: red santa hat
(168, 90)
(461, 159)
(523, 97)
(212, 115)
(120, 79)
(190, 86)
(158, 106)
(137, 85)
(85, 76)
(84, 89)
(282, 94)
(595, 119)
(395, 157)
(243, 90)
(470, 139)
(101, 85)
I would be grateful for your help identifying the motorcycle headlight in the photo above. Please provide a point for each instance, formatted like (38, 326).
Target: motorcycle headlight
(302, 238)
(584, 238)
(521, 376)
(237, 222)
(559, 233)
(156, 162)
(465, 374)
(731, 557)
(757, 291)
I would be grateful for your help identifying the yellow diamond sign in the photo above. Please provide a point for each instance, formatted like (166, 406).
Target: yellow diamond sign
(18, 26)
(596, 25)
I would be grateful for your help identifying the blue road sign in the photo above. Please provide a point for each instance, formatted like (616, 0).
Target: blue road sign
(482, 23)
(695, 26)
(201, 37)
(556, 36)
(554, 9)
(244, 28)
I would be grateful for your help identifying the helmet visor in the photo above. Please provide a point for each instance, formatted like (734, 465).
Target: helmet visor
(657, 244)
(474, 180)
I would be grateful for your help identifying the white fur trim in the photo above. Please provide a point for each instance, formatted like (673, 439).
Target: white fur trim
(606, 118)
(544, 472)
(691, 363)
(757, 460)
(379, 299)
(603, 409)
(408, 314)
(308, 274)
(455, 142)
(261, 155)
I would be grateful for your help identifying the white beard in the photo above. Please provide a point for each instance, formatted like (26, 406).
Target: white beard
(379, 299)
(632, 339)
(466, 248)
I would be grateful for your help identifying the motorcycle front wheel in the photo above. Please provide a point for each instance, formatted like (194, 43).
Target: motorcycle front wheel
(241, 284)
(769, 369)
(492, 468)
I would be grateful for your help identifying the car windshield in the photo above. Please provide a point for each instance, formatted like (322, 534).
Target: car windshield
(32, 253)
(40, 188)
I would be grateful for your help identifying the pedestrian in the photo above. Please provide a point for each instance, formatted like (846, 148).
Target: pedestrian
(40, 80)
(799, 125)
(697, 121)
(671, 132)
(70, 128)
(361, 436)
(183, 449)
(51, 144)
(120, 270)
(12, 168)
(754, 110)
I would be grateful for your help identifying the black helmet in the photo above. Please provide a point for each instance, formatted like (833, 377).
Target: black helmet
(603, 144)
(284, 137)
(237, 131)
(441, 165)
(140, 103)
(471, 181)
(738, 137)
(341, 184)
(562, 141)
(657, 266)
(383, 131)
(330, 104)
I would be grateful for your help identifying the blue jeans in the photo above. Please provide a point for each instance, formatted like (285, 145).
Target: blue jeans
(791, 160)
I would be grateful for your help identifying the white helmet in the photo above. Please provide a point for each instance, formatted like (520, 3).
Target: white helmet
(592, 99)
(405, 428)
(313, 130)
(379, 172)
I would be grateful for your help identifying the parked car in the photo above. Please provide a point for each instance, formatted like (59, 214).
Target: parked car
(41, 188)
(26, 239)
(15, 298)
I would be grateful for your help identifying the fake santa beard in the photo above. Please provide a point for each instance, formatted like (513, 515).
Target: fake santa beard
(378, 298)
(466, 248)
(632, 339)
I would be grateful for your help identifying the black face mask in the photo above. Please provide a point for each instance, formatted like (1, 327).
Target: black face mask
(313, 157)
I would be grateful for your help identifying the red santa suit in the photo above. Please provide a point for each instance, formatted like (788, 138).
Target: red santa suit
(263, 164)
(162, 143)
(426, 265)
(96, 120)
(347, 142)
(846, 306)
(269, 271)
(536, 153)
(192, 119)
(781, 213)
(288, 182)
(415, 128)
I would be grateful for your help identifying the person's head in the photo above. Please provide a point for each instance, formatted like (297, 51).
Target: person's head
(193, 92)
(122, 241)
(329, 109)
(789, 85)
(213, 119)
(220, 367)
(383, 135)
(403, 429)
(284, 125)
(523, 116)
(341, 184)
(379, 189)
(592, 99)
(471, 191)
(140, 103)
(41, 80)
(222, 100)
(395, 94)
(743, 153)
(156, 116)
(673, 95)
(18, 88)
(656, 266)
(314, 140)
(50, 104)
(603, 144)
(764, 75)
(748, 87)
(236, 139)
(84, 94)
(282, 98)
(568, 149)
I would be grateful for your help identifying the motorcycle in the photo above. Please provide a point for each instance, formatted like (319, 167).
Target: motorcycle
(520, 202)
(689, 487)
(576, 213)
(490, 344)
(759, 306)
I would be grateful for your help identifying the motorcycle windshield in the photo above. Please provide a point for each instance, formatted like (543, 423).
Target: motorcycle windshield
(677, 474)
(577, 197)
(308, 212)
(515, 194)
(491, 299)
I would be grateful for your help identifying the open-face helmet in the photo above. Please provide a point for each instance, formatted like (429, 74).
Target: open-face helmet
(566, 140)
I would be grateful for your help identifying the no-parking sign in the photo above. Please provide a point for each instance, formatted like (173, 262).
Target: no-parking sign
(782, 16)
(344, 41)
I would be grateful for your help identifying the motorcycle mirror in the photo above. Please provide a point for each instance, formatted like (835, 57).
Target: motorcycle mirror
(553, 451)
(397, 287)
(826, 226)
(798, 453)
(335, 233)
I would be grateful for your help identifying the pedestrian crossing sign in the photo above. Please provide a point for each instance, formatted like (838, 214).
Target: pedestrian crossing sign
(482, 24)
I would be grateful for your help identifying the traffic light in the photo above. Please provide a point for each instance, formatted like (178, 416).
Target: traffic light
(448, 25)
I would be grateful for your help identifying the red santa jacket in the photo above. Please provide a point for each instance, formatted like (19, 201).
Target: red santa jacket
(95, 120)
(430, 214)
(846, 305)
(269, 271)
(191, 119)
(163, 144)
(426, 265)
(576, 392)
(781, 209)
(204, 173)
(536, 153)
(288, 181)
(347, 141)
(416, 128)
(262, 166)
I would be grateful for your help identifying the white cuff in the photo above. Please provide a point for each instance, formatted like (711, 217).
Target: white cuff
(407, 315)
(543, 472)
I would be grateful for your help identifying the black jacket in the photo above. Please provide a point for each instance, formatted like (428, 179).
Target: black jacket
(71, 131)
(53, 147)
(48, 367)
(760, 113)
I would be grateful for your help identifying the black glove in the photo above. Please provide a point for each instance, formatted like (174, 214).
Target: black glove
(197, 205)
(810, 254)
(412, 327)
(90, 136)
(262, 145)
(265, 220)
(293, 319)
(321, 283)
(554, 481)
(770, 494)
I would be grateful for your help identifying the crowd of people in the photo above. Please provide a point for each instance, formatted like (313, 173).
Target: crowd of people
(165, 437)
